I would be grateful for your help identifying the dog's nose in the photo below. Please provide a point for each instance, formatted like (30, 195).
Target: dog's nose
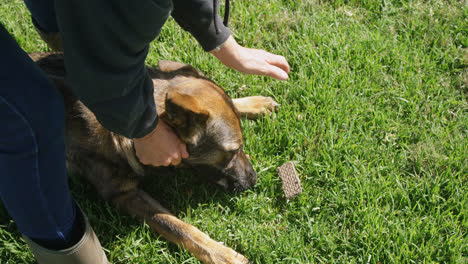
(252, 178)
(249, 181)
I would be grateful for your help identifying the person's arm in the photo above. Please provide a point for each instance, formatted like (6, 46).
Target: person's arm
(105, 46)
(198, 18)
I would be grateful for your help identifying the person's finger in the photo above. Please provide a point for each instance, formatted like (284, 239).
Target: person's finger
(183, 151)
(278, 61)
(275, 72)
(173, 156)
(165, 163)
(176, 160)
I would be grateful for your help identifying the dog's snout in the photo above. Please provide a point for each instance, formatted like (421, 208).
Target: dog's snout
(242, 186)
(247, 180)
(253, 178)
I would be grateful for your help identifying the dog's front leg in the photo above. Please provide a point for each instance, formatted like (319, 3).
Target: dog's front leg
(254, 106)
(139, 203)
(118, 185)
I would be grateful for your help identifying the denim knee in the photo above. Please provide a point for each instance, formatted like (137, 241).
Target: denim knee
(33, 182)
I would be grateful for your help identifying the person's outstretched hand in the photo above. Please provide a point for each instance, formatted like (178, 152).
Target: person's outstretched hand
(252, 61)
(161, 147)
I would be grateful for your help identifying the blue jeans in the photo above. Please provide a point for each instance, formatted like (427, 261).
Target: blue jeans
(33, 178)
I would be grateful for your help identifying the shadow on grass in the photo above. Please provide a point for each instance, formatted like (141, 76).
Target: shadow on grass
(179, 190)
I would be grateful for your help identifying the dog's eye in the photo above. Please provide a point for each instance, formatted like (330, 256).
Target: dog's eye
(234, 151)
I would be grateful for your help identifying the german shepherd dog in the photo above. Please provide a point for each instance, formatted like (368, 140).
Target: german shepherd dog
(203, 117)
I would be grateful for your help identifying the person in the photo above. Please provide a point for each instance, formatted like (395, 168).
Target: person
(105, 44)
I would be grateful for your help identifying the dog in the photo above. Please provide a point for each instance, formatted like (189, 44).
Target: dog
(204, 118)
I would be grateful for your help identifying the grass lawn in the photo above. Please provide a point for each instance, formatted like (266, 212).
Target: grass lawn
(374, 115)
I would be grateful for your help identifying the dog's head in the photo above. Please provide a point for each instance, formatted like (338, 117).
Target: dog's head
(206, 120)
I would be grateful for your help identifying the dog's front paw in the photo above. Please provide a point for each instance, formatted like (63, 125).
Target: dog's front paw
(269, 104)
(225, 255)
(255, 106)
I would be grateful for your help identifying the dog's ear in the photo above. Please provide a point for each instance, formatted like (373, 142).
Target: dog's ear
(168, 66)
(172, 66)
(186, 116)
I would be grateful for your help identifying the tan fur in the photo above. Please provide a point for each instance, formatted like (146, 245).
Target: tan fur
(183, 96)
(255, 106)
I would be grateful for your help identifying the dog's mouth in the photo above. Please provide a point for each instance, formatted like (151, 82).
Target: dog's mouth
(233, 186)
(227, 179)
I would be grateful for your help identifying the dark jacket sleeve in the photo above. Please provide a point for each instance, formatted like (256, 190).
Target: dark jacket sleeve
(196, 17)
(105, 46)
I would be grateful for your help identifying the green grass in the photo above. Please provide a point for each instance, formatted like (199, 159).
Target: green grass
(374, 115)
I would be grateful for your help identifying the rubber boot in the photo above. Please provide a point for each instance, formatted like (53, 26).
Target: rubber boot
(52, 39)
(88, 250)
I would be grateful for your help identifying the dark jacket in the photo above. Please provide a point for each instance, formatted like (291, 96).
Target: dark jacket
(105, 44)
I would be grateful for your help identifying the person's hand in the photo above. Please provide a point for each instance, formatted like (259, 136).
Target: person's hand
(251, 61)
(161, 147)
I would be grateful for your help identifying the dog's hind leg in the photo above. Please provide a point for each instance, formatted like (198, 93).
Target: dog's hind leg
(254, 106)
